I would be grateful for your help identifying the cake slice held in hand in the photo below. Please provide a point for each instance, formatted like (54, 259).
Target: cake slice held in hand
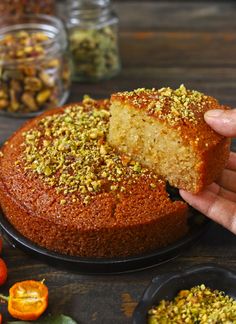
(165, 130)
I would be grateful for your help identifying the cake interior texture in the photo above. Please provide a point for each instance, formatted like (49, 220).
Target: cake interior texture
(165, 130)
(65, 188)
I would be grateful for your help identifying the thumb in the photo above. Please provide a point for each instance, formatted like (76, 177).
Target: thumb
(222, 121)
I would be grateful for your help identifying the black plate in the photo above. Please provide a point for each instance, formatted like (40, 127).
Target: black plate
(168, 285)
(198, 224)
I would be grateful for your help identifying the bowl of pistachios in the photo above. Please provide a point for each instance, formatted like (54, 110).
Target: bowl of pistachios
(200, 294)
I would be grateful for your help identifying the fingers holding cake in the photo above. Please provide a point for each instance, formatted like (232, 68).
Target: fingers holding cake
(222, 121)
(227, 180)
(222, 192)
(218, 200)
(213, 205)
(231, 165)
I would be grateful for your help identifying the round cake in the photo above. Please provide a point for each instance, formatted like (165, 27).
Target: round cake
(66, 189)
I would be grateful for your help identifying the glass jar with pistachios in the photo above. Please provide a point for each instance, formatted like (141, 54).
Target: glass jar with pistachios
(93, 41)
(34, 65)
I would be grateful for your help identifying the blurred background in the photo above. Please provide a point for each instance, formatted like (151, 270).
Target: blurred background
(172, 42)
(161, 43)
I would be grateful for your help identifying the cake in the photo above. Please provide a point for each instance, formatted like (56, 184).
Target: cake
(65, 188)
(165, 130)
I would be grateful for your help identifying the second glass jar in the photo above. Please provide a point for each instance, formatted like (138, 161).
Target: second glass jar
(93, 39)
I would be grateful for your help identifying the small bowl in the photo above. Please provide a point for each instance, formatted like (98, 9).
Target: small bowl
(168, 285)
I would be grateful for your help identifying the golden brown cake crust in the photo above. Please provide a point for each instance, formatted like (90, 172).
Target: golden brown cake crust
(110, 225)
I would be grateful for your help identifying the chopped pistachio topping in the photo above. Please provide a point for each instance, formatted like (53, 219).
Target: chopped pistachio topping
(69, 152)
(169, 104)
(153, 185)
(197, 305)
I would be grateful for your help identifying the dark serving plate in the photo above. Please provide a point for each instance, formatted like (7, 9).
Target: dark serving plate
(198, 224)
(168, 285)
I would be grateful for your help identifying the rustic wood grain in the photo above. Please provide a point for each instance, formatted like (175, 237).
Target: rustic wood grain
(162, 43)
(177, 15)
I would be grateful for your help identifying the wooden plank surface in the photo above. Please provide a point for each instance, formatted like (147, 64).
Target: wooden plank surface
(162, 43)
(186, 15)
(105, 298)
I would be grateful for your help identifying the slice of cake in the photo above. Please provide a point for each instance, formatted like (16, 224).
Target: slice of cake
(165, 130)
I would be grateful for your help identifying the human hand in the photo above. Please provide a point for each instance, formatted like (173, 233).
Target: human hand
(218, 200)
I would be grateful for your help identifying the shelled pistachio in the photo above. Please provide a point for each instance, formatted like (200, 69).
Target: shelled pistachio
(196, 305)
(30, 79)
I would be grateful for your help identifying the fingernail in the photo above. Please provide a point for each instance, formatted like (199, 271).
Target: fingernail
(214, 113)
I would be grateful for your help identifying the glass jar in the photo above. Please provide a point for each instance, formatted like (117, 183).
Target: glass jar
(34, 65)
(93, 39)
(21, 7)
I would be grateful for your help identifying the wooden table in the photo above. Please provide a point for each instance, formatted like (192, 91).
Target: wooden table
(162, 43)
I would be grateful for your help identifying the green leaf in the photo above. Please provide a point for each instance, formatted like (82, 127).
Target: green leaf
(51, 319)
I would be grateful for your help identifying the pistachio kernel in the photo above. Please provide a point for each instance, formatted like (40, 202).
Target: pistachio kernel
(197, 305)
(61, 150)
